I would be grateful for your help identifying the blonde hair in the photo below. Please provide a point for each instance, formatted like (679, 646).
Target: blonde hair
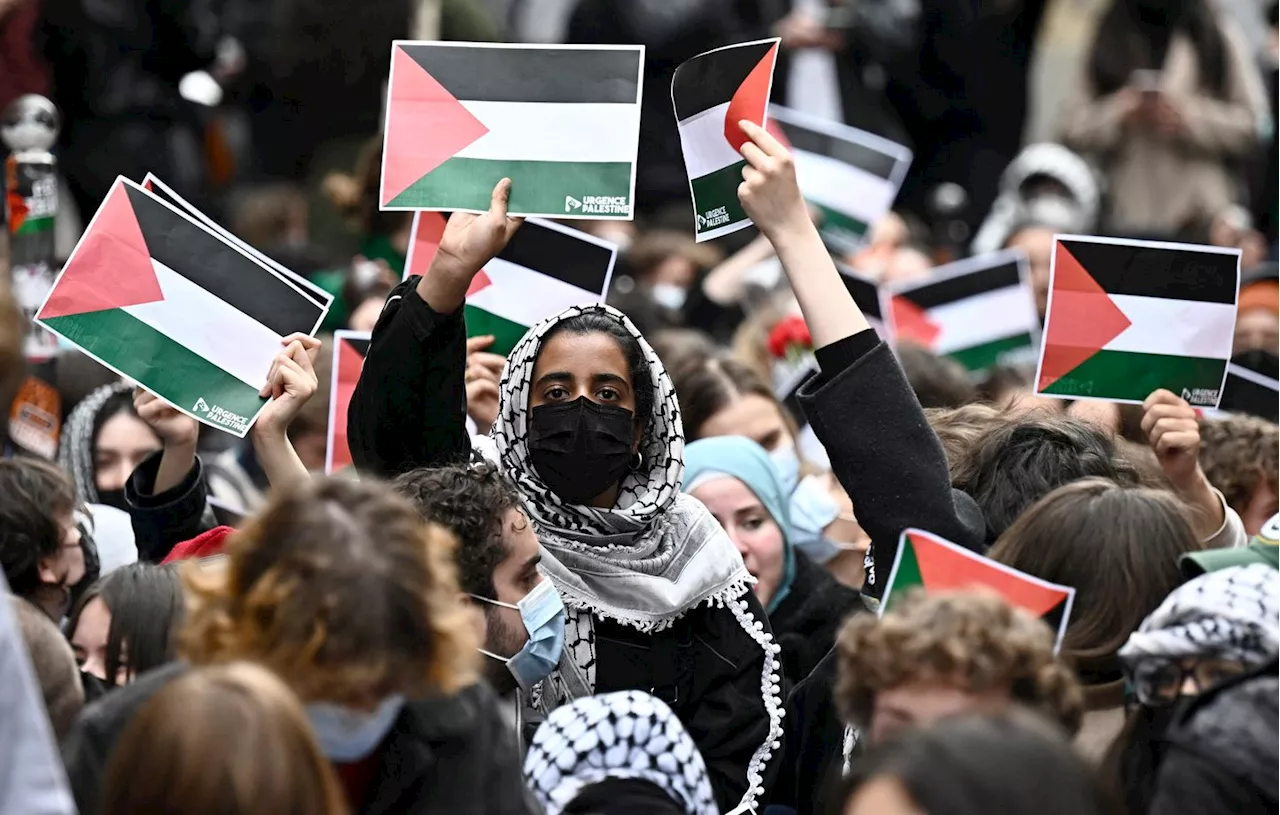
(344, 591)
(973, 639)
(225, 740)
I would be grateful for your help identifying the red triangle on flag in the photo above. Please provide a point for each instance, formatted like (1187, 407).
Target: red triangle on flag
(751, 99)
(428, 229)
(943, 567)
(910, 322)
(426, 125)
(1082, 318)
(110, 267)
(774, 128)
(478, 283)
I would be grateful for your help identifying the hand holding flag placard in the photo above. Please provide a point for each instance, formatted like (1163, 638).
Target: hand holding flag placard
(934, 564)
(1127, 318)
(158, 297)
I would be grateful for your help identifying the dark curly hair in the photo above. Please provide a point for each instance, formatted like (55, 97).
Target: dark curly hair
(35, 497)
(469, 501)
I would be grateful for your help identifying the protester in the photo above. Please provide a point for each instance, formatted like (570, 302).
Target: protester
(737, 481)
(1118, 547)
(1011, 763)
(40, 546)
(1262, 548)
(340, 589)
(925, 659)
(1210, 630)
(498, 559)
(1046, 185)
(937, 381)
(589, 432)
(124, 625)
(619, 753)
(1239, 456)
(226, 739)
(1169, 105)
(102, 442)
(1258, 314)
(53, 664)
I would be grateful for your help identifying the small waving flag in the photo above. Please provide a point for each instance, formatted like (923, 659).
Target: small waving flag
(926, 560)
(543, 270)
(159, 298)
(561, 121)
(349, 351)
(1126, 318)
(711, 93)
(978, 311)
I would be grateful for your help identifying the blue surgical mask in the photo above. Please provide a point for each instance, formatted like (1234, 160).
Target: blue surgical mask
(811, 507)
(346, 735)
(542, 612)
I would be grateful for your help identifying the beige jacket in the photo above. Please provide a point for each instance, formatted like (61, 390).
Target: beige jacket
(1157, 183)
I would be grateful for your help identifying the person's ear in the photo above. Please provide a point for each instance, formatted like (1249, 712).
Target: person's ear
(46, 567)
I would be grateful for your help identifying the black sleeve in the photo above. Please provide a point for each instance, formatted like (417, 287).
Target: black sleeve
(883, 452)
(162, 521)
(504, 783)
(409, 408)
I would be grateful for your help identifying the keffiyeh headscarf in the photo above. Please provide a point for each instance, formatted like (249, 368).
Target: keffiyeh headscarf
(1232, 614)
(657, 554)
(617, 735)
(75, 453)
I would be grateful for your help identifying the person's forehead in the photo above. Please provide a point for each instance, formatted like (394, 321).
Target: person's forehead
(582, 355)
(731, 493)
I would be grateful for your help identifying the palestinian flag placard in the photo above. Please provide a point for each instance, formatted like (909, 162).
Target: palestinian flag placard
(866, 294)
(711, 93)
(561, 121)
(851, 176)
(349, 350)
(979, 311)
(543, 270)
(1251, 389)
(165, 193)
(1126, 318)
(158, 298)
(928, 561)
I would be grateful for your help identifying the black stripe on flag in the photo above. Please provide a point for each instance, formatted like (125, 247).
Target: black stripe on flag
(1256, 393)
(221, 269)
(713, 78)
(360, 346)
(964, 286)
(532, 74)
(1148, 271)
(863, 290)
(861, 156)
(561, 255)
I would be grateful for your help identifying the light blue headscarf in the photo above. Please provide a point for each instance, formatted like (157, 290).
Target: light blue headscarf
(741, 458)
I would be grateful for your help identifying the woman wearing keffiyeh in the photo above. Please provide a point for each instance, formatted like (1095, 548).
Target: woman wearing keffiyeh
(589, 430)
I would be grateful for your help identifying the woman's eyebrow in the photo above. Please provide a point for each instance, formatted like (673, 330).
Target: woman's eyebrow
(555, 376)
(608, 377)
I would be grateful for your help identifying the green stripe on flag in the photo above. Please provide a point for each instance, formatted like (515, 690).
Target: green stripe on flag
(506, 333)
(840, 228)
(1128, 375)
(906, 577)
(145, 355)
(536, 186)
(989, 354)
(31, 226)
(715, 190)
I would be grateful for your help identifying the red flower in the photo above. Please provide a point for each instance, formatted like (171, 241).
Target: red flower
(788, 336)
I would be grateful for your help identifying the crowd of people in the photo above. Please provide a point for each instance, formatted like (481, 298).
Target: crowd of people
(631, 566)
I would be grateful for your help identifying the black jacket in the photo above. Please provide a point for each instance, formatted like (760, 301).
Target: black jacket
(408, 411)
(162, 521)
(813, 750)
(806, 622)
(453, 755)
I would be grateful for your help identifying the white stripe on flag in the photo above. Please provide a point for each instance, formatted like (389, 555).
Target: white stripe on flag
(987, 317)
(843, 187)
(703, 143)
(547, 131)
(1185, 328)
(210, 327)
(525, 296)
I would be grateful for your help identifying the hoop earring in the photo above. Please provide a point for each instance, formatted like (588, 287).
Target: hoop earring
(637, 462)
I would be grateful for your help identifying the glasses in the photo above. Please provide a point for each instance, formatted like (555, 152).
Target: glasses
(1159, 682)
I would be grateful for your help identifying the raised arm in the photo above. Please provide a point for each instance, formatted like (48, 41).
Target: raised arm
(409, 407)
(882, 449)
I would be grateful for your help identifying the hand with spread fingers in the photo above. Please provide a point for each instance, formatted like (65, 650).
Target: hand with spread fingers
(470, 240)
(483, 376)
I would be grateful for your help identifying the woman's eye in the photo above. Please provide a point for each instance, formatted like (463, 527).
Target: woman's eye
(753, 523)
(557, 393)
(609, 395)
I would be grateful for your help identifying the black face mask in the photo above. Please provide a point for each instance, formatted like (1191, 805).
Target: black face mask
(580, 448)
(94, 688)
(1258, 359)
(113, 498)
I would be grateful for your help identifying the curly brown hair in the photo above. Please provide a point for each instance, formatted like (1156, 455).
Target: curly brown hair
(960, 428)
(972, 638)
(1237, 453)
(344, 591)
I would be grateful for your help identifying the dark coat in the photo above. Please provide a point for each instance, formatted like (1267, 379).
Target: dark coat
(453, 755)
(813, 750)
(409, 410)
(805, 623)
